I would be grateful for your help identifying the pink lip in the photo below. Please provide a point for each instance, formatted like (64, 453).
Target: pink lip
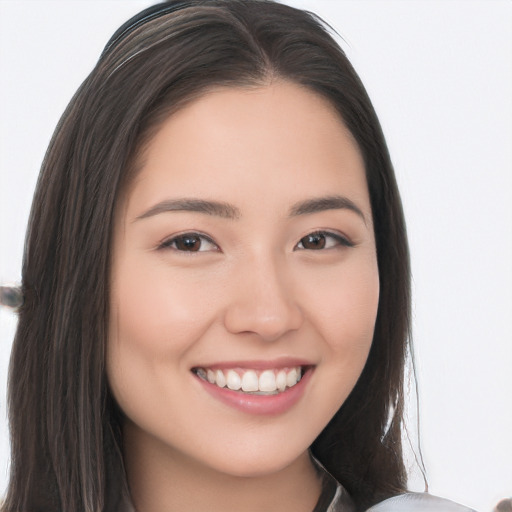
(259, 404)
(282, 362)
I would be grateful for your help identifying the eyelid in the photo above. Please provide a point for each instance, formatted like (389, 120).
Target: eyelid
(343, 240)
(166, 243)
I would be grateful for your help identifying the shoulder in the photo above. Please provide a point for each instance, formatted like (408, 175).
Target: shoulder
(418, 502)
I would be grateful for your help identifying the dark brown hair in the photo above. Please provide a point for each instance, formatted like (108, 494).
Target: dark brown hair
(65, 427)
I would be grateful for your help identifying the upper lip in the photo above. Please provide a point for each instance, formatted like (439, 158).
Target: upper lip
(282, 362)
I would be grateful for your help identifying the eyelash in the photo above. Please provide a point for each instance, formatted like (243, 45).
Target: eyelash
(168, 244)
(340, 240)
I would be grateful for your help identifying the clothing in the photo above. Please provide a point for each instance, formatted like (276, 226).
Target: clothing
(418, 502)
(334, 498)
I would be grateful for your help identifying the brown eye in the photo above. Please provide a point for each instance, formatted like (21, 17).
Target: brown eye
(323, 240)
(313, 241)
(190, 242)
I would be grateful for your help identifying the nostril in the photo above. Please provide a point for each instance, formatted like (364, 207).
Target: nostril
(268, 324)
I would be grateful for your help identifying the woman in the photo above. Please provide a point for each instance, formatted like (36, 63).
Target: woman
(216, 282)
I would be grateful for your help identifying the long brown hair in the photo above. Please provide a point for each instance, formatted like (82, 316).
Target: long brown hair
(64, 424)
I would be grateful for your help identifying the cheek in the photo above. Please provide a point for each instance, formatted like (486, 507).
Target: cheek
(346, 307)
(154, 322)
(343, 312)
(152, 311)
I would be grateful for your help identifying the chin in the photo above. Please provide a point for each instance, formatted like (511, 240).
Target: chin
(257, 461)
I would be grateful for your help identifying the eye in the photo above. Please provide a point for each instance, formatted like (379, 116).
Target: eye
(189, 242)
(323, 240)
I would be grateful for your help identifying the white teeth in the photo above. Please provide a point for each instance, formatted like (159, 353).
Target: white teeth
(233, 380)
(281, 380)
(267, 381)
(291, 378)
(220, 380)
(250, 381)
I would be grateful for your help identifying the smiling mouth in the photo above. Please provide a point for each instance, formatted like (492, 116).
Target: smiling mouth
(253, 382)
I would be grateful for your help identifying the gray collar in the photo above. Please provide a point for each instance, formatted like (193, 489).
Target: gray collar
(334, 497)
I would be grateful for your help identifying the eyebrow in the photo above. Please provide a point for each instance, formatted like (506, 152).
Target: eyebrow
(321, 204)
(229, 211)
(216, 208)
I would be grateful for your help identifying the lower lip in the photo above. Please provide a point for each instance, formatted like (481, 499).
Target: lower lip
(259, 404)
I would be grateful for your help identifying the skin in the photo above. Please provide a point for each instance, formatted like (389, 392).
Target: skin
(253, 292)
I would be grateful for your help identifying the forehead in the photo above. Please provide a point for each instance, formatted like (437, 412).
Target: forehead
(276, 141)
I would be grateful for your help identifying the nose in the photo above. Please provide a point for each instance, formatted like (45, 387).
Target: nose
(263, 302)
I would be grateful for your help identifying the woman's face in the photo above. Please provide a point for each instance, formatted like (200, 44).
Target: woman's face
(244, 255)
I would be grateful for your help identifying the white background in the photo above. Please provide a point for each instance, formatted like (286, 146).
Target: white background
(440, 76)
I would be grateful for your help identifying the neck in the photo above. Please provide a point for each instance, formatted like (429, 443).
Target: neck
(164, 480)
